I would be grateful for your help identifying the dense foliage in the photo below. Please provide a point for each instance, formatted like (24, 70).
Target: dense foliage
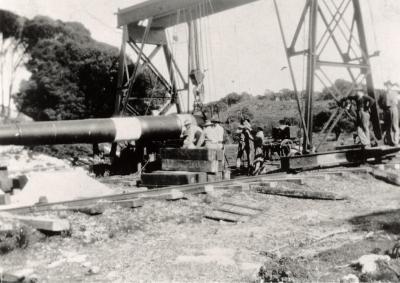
(73, 76)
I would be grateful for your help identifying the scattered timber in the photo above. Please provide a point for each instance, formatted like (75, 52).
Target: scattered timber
(235, 209)
(245, 204)
(160, 193)
(206, 154)
(172, 178)
(41, 223)
(213, 166)
(297, 193)
(225, 216)
(130, 203)
(389, 177)
(95, 209)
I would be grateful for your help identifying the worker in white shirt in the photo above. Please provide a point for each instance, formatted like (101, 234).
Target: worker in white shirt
(220, 132)
(193, 135)
(258, 149)
(391, 114)
(210, 135)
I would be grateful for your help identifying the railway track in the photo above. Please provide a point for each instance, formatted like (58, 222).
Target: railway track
(165, 193)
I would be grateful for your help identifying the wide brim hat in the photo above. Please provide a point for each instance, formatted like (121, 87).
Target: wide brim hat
(207, 123)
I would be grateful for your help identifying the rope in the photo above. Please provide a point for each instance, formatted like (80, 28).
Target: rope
(211, 55)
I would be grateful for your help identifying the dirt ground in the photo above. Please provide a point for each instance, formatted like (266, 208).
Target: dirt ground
(171, 241)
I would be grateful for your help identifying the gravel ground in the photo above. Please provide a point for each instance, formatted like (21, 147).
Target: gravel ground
(171, 241)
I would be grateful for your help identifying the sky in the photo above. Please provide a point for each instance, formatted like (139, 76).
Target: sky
(244, 48)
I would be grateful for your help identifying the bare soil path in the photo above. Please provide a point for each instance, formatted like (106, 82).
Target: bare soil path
(171, 241)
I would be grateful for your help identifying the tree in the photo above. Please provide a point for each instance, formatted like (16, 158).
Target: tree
(12, 52)
(232, 98)
(73, 76)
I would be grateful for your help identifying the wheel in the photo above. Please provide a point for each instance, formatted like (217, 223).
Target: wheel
(285, 147)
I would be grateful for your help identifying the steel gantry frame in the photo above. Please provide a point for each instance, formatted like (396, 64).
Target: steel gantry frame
(335, 23)
(146, 24)
(328, 25)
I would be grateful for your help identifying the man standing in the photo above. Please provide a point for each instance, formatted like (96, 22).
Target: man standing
(258, 149)
(220, 132)
(211, 135)
(391, 115)
(245, 138)
(363, 105)
(193, 135)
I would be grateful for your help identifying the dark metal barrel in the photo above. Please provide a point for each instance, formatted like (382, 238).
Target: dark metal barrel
(94, 130)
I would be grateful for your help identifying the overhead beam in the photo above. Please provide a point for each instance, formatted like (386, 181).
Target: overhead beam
(165, 12)
(156, 36)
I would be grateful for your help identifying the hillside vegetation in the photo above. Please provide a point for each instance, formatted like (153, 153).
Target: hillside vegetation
(261, 110)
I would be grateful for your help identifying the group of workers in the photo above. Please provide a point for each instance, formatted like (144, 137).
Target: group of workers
(246, 139)
(390, 113)
(363, 104)
(212, 135)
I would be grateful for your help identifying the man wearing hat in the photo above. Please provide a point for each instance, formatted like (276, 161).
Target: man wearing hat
(211, 135)
(245, 138)
(258, 149)
(363, 105)
(391, 113)
(193, 135)
(220, 131)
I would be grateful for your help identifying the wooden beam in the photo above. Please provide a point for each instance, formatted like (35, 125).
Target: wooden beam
(41, 223)
(246, 204)
(296, 193)
(166, 12)
(388, 177)
(192, 154)
(192, 165)
(231, 208)
(156, 36)
(130, 203)
(225, 216)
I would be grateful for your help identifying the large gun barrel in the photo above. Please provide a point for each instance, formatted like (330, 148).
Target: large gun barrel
(95, 130)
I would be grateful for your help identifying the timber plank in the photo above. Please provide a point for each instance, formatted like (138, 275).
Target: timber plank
(296, 180)
(245, 204)
(175, 195)
(192, 165)
(43, 223)
(130, 203)
(4, 198)
(170, 178)
(389, 166)
(240, 187)
(214, 177)
(225, 216)
(206, 154)
(296, 193)
(95, 209)
(389, 177)
(237, 210)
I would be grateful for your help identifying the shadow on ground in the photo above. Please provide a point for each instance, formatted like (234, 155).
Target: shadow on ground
(388, 221)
